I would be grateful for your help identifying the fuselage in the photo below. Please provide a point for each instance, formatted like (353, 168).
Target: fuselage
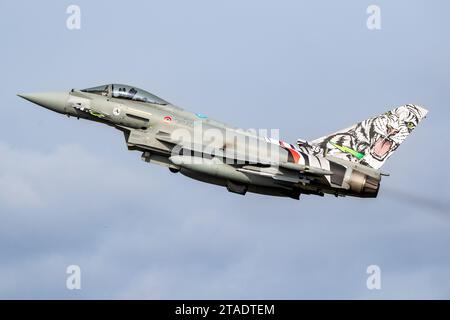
(209, 150)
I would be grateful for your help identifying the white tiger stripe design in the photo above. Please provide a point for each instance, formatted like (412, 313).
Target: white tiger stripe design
(372, 141)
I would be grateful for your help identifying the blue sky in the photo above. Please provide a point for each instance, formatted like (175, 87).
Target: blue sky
(70, 192)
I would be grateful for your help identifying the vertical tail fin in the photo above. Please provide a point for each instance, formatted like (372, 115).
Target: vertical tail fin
(372, 141)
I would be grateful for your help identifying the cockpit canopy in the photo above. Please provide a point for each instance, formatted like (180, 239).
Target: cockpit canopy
(122, 91)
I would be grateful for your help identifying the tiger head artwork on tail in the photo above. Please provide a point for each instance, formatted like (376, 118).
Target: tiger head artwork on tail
(372, 141)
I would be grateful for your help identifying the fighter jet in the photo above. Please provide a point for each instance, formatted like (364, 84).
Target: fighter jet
(344, 163)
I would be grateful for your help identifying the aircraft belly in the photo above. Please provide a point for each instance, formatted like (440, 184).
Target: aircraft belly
(259, 186)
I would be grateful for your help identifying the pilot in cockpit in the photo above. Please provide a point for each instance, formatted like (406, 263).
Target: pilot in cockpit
(132, 93)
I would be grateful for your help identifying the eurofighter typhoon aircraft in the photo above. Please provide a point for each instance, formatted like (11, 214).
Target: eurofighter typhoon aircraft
(344, 163)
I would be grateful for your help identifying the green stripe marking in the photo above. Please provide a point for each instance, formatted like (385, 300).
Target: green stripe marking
(345, 149)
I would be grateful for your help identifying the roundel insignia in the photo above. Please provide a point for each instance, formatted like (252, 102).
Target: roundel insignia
(116, 111)
(167, 118)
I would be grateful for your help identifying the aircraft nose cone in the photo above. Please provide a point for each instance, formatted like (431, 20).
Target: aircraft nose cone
(55, 101)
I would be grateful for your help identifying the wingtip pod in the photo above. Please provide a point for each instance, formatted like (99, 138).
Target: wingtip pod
(371, 142)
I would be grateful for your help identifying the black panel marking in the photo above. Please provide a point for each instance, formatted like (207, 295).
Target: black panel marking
(338, 173)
